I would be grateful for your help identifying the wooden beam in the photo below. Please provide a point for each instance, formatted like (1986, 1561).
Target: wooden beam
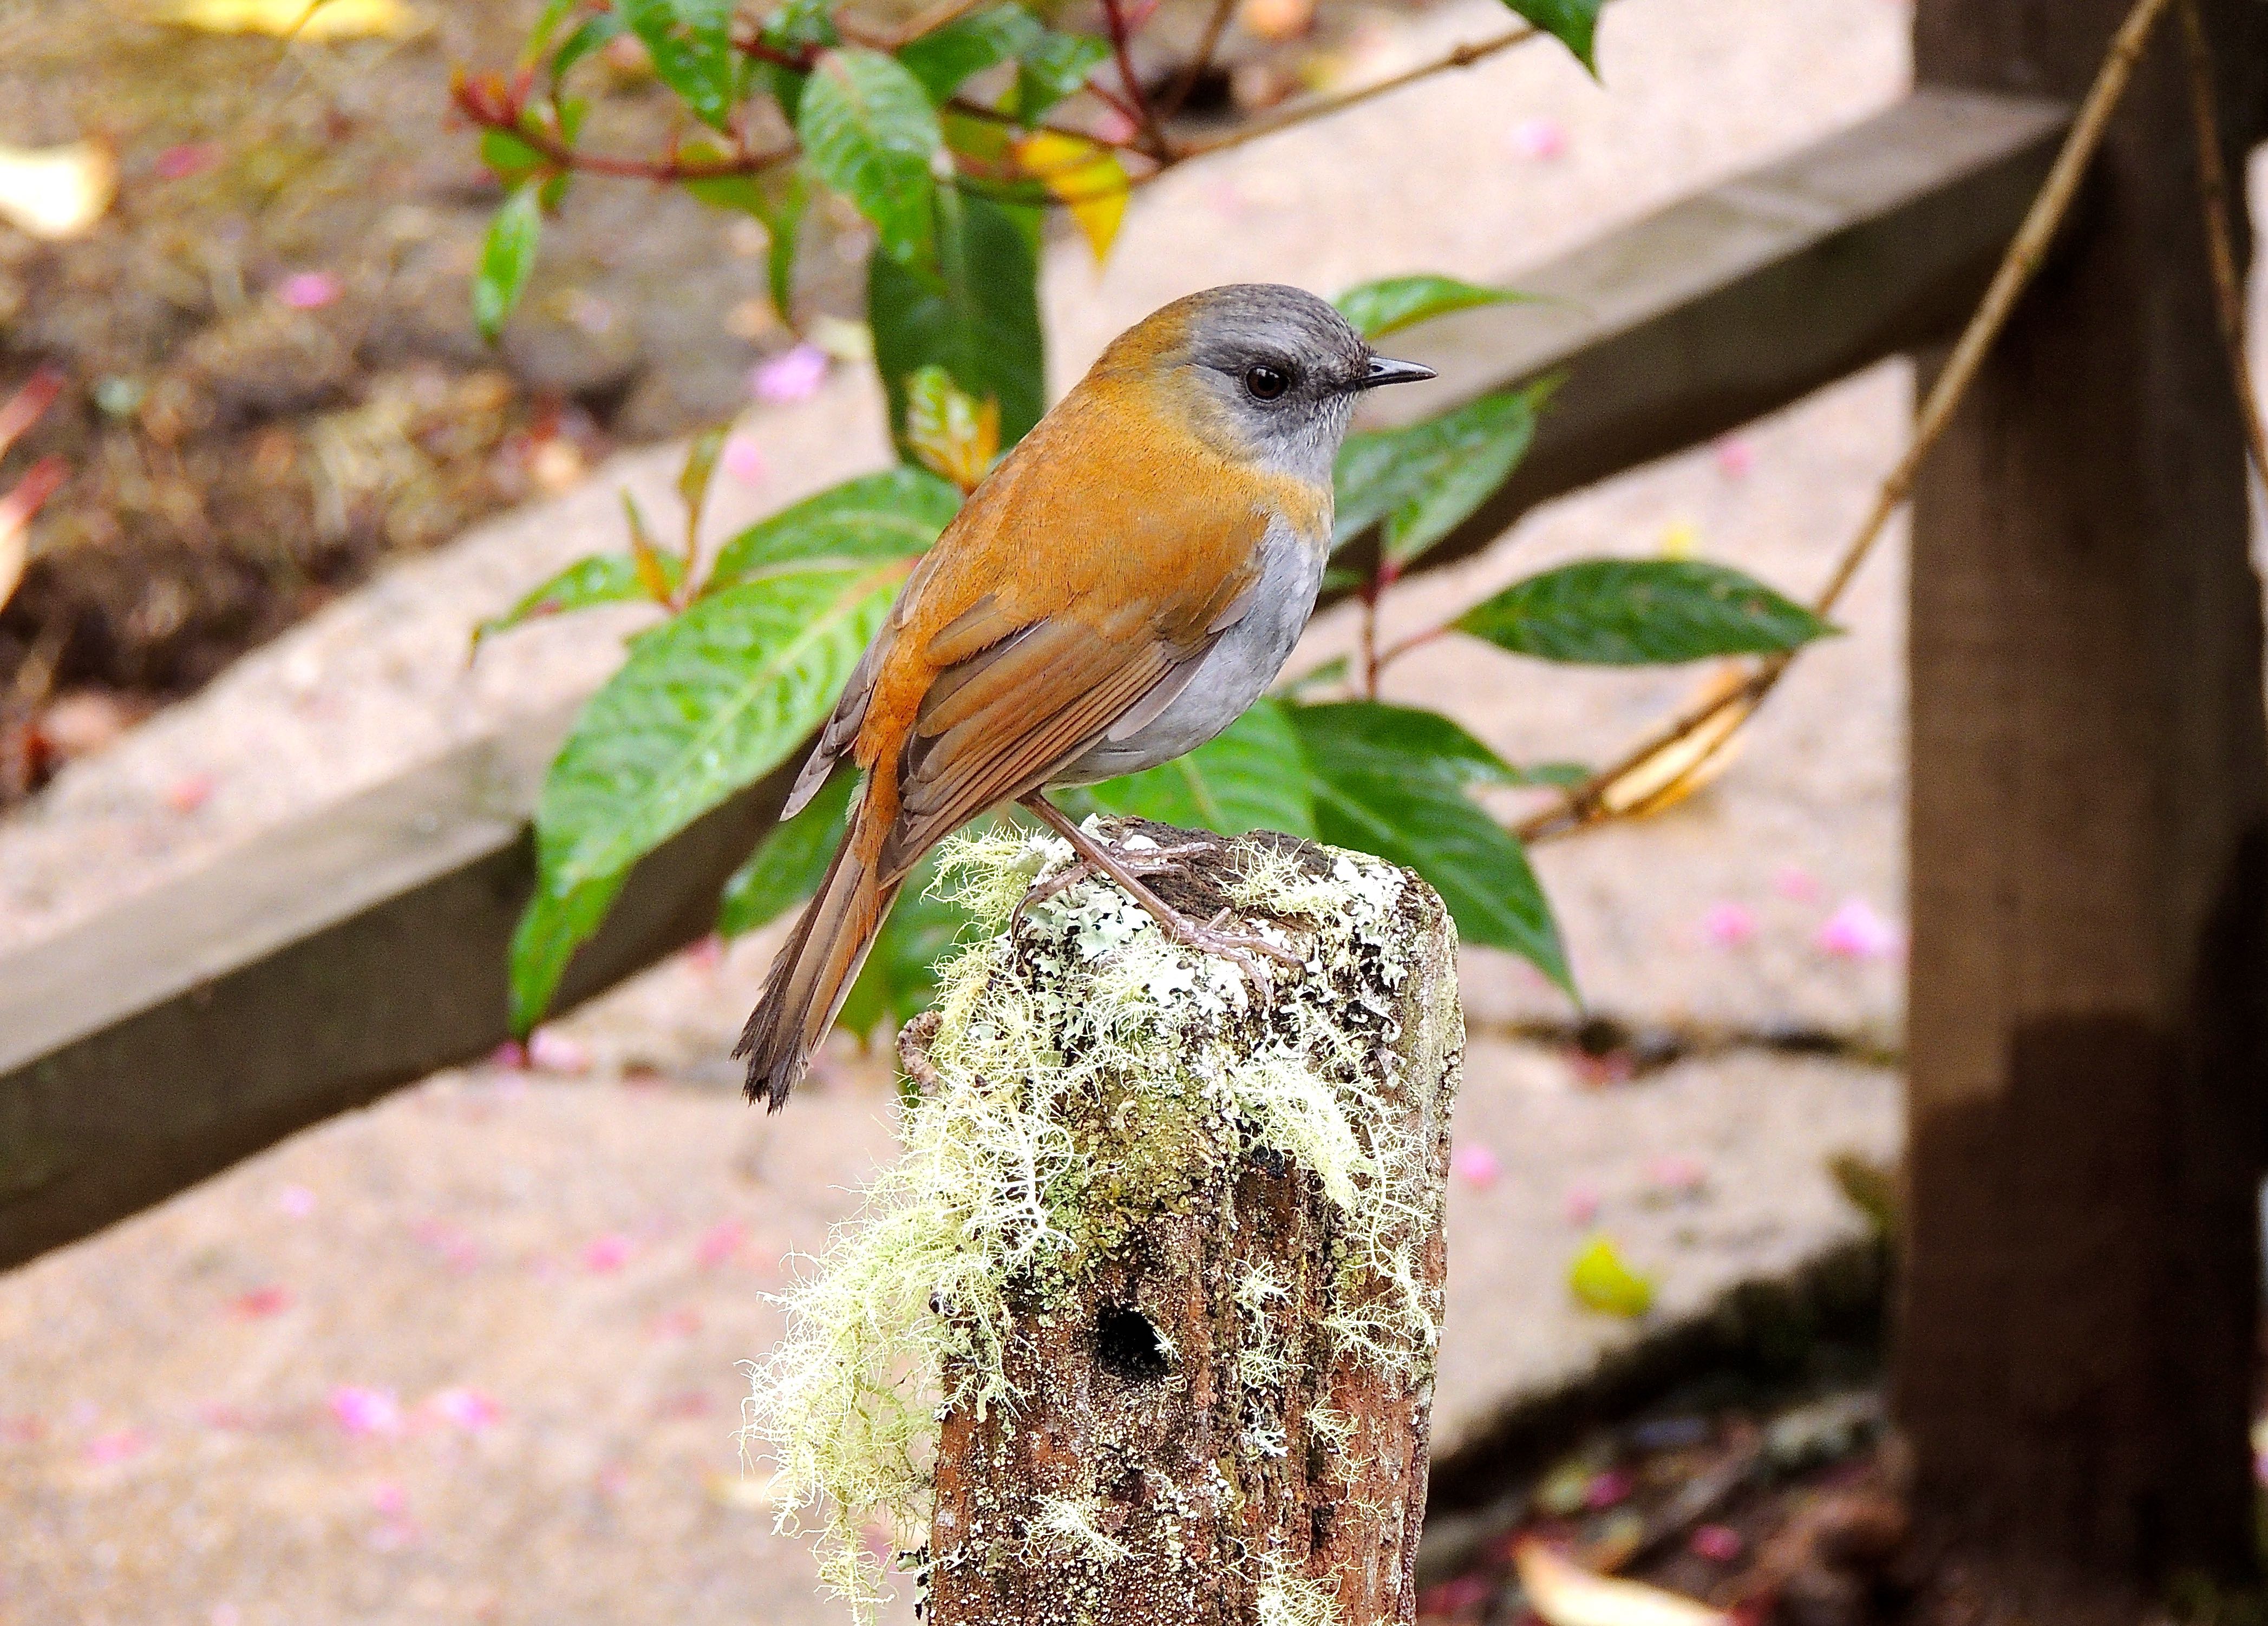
(2088, 791)
(363, 945)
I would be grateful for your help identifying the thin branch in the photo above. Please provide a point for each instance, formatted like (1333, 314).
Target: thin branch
(1586, 804)
(1323, 106)
(1207, 44)
(1146, 117)
(2213, 194)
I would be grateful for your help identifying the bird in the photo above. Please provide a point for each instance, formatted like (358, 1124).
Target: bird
(1116, 591)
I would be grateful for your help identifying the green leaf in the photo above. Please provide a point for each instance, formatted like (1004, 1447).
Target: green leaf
(507, 259)
(873, 520)
(1601, 1281)
(1376, 309)
(800, 29)
(602, 578)
(1053, 68)
(551, 927)
(691, 44)
(1380, 787)
(509, 159)
(790, 864)
(868, 131)
(554, 12)
(1641, 612)
(973, 312)
(968, 45)
(1426, 480)
(706, 704)
(1385, 735)
(786, 224)
(1573, 23)
(1253, 776)
(591, 35)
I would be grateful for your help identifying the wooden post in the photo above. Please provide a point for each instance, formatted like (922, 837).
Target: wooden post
(1218, 1412)
(2076, 1354)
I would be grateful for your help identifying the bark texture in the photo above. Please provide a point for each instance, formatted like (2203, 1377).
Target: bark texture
(2080, 1306)
(1221, 1416)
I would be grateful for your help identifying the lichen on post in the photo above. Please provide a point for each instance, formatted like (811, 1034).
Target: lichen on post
(1142, 1326)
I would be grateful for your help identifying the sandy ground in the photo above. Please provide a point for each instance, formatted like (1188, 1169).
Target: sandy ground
(470, 1356)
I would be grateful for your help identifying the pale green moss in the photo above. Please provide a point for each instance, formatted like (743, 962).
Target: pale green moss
(1091, 1074)
(1066, 1529)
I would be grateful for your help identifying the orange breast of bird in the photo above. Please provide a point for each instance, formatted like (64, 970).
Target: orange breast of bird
(1115, 535)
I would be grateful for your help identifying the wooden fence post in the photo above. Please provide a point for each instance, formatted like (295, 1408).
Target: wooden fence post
(1216, 1409)
(2078, 1317)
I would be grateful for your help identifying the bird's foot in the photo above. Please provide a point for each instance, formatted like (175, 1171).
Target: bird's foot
(1127, 866)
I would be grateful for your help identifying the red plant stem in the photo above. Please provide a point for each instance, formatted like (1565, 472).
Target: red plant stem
(28, 405)
(1113, 17)
(39, 483)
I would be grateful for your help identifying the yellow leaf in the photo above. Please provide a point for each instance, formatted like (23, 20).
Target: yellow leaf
(1564, 1593)
(1086, 179)
(1684, 766)
(950, 430)
(52, 193)
(317, 20)
(1601, 1281)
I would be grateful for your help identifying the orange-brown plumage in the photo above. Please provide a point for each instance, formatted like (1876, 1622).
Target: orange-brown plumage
(1084, 581)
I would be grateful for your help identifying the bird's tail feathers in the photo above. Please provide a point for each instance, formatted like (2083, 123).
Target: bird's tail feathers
(816, 966)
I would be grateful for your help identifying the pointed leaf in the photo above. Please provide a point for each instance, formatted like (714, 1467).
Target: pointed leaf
(602, 578)
(1383, 793)
(701, 455)
(1253, 776)
(1641, 612)
(706, 704)
(873, 520)
(950, 432)
(868, 130)
(590, 35)
(1573, 23)
(551, 928)
(1085, 177)
(968, 45)
(1601, 1281)
(1376, 309)
(1055, 67)
(788, 866)
(691, 44)
(1424, 481)
(974, 312)
(507, 259)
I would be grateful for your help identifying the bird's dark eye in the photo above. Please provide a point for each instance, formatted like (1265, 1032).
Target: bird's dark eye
(1266, 382)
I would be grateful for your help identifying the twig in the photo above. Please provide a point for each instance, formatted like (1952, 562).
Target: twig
(1586, 804)
(1121, 50)
(2213, 194)
(1185, 81)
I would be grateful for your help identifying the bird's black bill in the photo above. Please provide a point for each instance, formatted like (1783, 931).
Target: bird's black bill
(1384, 369)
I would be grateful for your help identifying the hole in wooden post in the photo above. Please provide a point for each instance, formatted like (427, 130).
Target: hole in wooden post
(1129, 1345)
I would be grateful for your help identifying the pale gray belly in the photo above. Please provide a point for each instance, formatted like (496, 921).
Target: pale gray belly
(1234, 674)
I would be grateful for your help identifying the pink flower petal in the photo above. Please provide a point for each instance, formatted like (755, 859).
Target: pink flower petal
(1735, 458)
(606, 1254)
(366, 1411)
(189, 792)
(309, 291)
(677, 1324)
(706, 954)
(1792, 880)
(1675, 1172)
(1475, 1164)
(1728, 925)
(1716, 1543)
(553, 1052)
(1856, 930)
(261, 1303)
(1539, 138)
(792, 375)
(388, 1497)
(1607, 1489)
(118, 1445)
(468, 1410)
(179, 162)
(296, 1200)
(1581, 1205)
(743, 460)
(720, 1243)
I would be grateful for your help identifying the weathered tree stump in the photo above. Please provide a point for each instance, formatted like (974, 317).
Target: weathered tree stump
(1212, 1405)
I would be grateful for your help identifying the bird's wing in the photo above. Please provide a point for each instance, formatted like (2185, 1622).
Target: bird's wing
(1049, 612)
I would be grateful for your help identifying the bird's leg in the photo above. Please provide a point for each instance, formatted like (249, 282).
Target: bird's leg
(1237, 948)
